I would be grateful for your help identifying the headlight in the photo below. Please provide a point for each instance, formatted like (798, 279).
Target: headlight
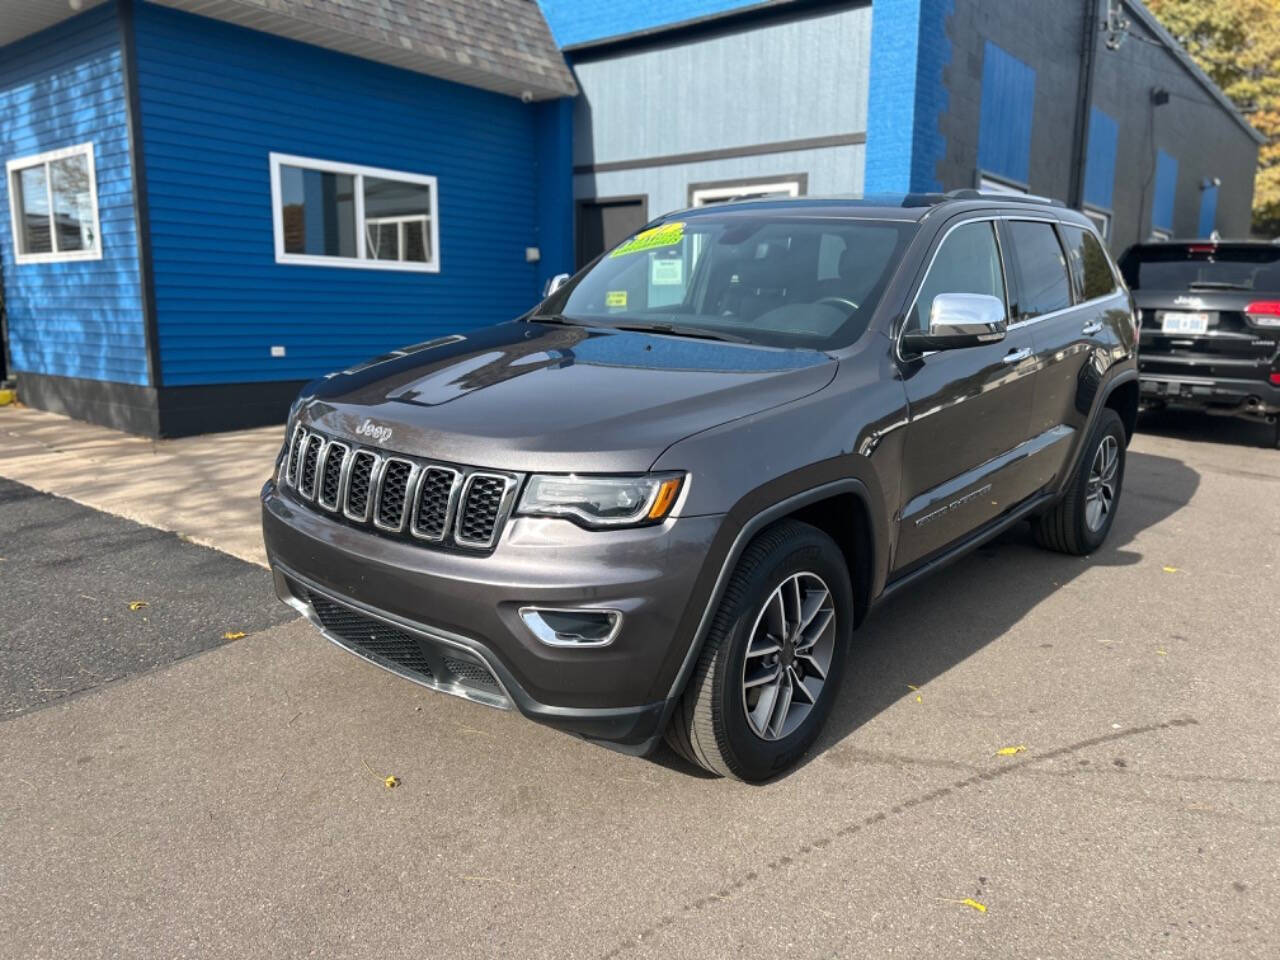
(602, 501)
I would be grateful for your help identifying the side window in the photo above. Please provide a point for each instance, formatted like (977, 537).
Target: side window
(1043, 285)
(1089, 264)
(967, 262)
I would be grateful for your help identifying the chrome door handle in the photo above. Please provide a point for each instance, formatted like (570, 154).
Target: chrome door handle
(1017, 356)
(1091, 328)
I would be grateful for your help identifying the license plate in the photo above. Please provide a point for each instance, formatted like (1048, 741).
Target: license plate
(1172, 321)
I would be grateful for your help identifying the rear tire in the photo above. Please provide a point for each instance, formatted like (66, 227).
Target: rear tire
(1079, 523)
(790, 591)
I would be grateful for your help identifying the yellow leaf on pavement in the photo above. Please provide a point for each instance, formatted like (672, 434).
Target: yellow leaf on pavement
(233, 635)
(1169, 569)
(1009, 751)
(137, 604)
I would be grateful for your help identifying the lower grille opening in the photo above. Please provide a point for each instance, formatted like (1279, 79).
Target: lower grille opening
(373, 638)
(470, 674)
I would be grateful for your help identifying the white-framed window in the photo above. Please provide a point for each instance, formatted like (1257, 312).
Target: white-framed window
(316, 206)
(1101, 219)
(992, 184)
(53, 206)
(747, 190)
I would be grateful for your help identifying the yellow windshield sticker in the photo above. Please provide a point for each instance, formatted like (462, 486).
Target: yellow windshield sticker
(666, 235)
(615, 298)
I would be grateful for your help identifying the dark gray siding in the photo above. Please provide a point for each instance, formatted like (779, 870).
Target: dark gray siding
(1194, 128)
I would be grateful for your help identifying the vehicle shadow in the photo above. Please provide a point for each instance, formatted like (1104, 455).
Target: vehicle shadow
(1206, 428)
(946, 618)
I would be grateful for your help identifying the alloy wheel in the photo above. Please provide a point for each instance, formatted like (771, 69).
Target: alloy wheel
(1100, 493)
(788, 656)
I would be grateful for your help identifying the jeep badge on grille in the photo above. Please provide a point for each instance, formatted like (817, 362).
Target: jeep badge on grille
(371, 429)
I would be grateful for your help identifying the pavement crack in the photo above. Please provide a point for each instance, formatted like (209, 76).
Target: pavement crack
(806, 848)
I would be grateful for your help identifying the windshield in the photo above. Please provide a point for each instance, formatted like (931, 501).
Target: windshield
(1209, 267)
(780, 282)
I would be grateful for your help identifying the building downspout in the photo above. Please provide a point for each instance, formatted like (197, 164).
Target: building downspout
(1084, 100)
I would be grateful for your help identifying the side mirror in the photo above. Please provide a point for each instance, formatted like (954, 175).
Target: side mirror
(958, 320)
(554, 284)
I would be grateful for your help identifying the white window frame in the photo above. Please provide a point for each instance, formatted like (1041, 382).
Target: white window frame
(784, 188)
(1101, 219)
(14, 166)
(1159, 234)
(362, 260)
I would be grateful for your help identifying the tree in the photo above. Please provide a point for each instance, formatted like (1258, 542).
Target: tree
(1237, 43)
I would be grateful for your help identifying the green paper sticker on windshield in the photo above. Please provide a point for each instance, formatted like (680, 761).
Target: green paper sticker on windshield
(615, 298)
(666, 235)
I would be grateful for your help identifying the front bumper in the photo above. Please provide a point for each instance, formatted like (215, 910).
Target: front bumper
(1231, 396)
(465, 608)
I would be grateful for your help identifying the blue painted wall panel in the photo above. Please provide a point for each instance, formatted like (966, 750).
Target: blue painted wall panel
(1208, 210)
(1100, 165)
(1166, 192)
(218, 99)
(907, 95)
(582, 21)
(58, 88)
(1008, 107)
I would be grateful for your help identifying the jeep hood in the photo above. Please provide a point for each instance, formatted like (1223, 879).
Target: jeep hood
(530, 396)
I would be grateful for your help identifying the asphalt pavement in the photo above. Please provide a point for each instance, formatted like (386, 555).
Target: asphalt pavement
(1033, 756)
(88, 598)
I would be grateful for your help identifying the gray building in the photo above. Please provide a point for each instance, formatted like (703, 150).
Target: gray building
(1087, 101)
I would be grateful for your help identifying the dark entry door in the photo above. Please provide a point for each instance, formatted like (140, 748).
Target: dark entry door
(604, 223)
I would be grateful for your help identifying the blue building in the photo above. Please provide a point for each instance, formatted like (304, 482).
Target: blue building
(213, 201)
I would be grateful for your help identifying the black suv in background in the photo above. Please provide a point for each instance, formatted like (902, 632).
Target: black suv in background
(660, 503)
(1210, 319)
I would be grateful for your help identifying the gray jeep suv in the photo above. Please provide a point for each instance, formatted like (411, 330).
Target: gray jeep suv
(661, 502)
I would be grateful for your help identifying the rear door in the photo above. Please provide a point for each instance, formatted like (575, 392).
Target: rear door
(1192, 300)
(1075, 340)
(970, 409)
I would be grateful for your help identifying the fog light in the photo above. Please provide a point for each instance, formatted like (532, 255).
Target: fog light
(572, 627)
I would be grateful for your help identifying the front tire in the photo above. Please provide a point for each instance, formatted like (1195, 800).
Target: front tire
(773, 659)
(1079, 523)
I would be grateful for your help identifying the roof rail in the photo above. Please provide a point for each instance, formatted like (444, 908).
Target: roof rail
(968, 193)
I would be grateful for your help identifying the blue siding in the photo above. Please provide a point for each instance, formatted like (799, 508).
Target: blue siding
(555, 188)
(59, 88)
(1100, 166)
(907, 95)
(1166, 193)
(1008, 106)
(216, 100)
(582, 21)
(1208, 210)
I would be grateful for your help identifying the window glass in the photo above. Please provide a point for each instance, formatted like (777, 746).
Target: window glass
(72, 202)
(1209, 266)
(31, 189)
(318, 212)
(781, 281)
(53, 204)
(1089, 264)
(397, 220)
(967, 262)
(1042, 268)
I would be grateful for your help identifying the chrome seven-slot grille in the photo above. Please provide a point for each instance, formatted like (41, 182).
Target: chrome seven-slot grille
(398, 495)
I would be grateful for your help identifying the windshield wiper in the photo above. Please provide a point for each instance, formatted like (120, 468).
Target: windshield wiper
(559, 318)
(1218, 285)
(693, 333)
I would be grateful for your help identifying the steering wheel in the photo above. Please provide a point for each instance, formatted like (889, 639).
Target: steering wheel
(839, 302)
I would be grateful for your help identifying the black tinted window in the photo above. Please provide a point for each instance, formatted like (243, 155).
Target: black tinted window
(1089, 263)
(1207, 266)
(967, 262)
(1042, 269)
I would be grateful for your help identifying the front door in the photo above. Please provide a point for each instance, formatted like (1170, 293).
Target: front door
(605, 223)
(970, 409)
